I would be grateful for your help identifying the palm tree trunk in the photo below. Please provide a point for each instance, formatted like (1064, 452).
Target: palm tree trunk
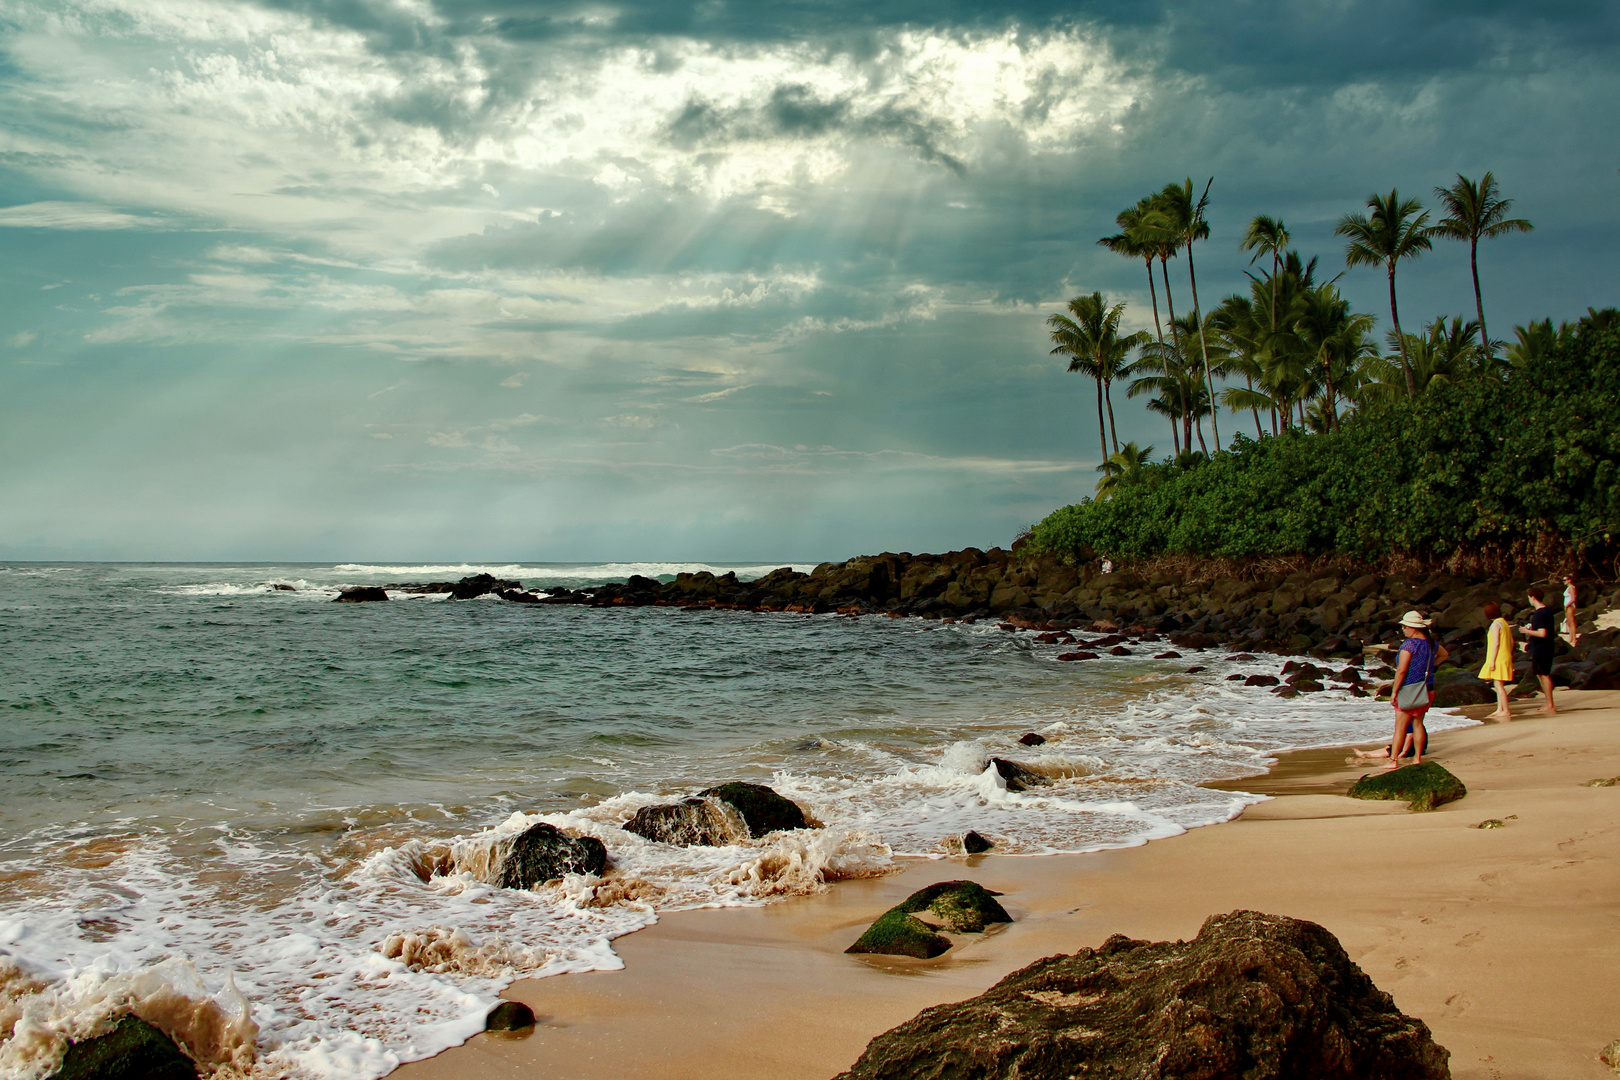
(1113, 432)
(1209, 383)
(1258, 433)
(1400, 338)
(1175, 436)
(1153, 291)
(1170, 302)
(1102, 434)
(1479, 305)
(1202, 445)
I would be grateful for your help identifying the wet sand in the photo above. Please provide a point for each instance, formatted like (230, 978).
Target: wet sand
(1503, 940)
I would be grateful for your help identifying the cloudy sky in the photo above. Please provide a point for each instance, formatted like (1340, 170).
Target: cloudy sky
(662, 279)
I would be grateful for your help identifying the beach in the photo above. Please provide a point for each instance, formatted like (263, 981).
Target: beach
(1501, 939)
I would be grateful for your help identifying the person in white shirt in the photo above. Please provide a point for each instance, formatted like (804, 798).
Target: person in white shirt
(1569, 610)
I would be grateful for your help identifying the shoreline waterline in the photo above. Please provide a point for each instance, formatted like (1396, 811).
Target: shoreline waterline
(1453, 920)
(231, 776)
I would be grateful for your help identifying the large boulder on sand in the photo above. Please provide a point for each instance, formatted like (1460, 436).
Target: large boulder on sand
(763, 809)
(1424, 786)
(910, 928)
(543, 853)
(1252, 997)
(132, 1050)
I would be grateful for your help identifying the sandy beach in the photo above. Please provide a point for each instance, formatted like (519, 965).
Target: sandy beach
(1502, 940)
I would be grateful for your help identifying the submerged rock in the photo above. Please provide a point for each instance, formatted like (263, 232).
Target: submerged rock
(1424, 786)
(360, 594)
(1252, 997)
(1018, 777)
(974, 844)
(132, 1050)
(543, 853)
(1031, 739)
(707, 822)
(509, 1016)
(761, 808)
(962, 907)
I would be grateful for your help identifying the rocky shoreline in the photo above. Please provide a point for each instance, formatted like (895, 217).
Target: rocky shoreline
(1333, 613)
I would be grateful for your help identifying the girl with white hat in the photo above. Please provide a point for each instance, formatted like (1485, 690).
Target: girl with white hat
(1414, 687)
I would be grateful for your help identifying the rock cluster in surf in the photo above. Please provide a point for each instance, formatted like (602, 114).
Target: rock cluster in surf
(727, 814)
(1253, 996)
(1327, 611)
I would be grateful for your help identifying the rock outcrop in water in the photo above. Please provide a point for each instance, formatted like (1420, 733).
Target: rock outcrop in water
(360, 594)
(705, 821)
(1328, 610)
(132, 1050)
(911, 927)
(1252, 997)
(762, 809)
(543, 853)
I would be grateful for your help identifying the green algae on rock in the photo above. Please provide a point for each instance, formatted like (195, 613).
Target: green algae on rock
(132, 1050)
(1424, 786)
(962, 907)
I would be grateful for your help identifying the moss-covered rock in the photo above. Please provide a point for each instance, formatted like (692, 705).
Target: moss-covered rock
(1424, 786)
(962, 907)
(763, 809)
(897, 933)
(132, 1050)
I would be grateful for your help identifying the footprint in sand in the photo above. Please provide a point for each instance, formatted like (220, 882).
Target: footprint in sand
(1471, 938)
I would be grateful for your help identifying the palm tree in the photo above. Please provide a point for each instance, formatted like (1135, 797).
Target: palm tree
(1123, 469)
(1396, 230)
(1092, 340)
(1335, 338)
(1266, 236)
(1134, 241)
(1173, 377)
(1535, 342)
(1188, 225)
(1475, 212)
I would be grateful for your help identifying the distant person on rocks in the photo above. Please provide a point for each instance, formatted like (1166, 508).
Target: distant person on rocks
(1413, 691)
(1570, 631)
(1108, 566)
(1541, 636)
(1498, 667)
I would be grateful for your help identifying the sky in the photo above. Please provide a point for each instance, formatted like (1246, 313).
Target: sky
(672, 280)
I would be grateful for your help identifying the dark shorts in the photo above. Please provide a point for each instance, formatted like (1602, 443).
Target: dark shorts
(1541, 665)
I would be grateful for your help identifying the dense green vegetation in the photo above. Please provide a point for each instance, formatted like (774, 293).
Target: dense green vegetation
(1505, 462)
(1443, 445)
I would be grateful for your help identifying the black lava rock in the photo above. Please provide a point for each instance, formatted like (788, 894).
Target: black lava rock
(543, 853)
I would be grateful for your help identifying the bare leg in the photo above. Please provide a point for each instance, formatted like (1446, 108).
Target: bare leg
(1420, 739)
(1397, 744)
(1502, 711)
(1546, 692)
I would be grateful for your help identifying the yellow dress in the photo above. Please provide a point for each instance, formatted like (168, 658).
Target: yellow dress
(1498, 653)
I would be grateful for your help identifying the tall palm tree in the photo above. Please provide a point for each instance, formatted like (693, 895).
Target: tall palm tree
(1475, 212)
(1135, 242)
(1335, 338)
(1266, 236)
(1188, 225)
(1397, 229)
(1173, 376)
(1090, 336)
(1123, 469)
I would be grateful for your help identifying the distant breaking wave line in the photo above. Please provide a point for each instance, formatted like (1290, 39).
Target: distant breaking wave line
(744, 571)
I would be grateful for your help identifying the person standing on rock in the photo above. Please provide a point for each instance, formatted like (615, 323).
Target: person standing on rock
(1570, 631)
(1498, 667)
(1541, 636)
(1413, 695)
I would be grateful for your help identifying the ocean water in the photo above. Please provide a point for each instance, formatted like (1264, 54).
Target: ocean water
(273, 818)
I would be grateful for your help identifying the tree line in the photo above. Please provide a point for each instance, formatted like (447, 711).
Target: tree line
(1305, 359)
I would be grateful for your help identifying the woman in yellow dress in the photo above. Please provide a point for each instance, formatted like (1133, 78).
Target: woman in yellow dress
(1498, 659)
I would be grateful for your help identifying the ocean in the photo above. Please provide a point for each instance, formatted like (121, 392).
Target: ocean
(272, 815)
